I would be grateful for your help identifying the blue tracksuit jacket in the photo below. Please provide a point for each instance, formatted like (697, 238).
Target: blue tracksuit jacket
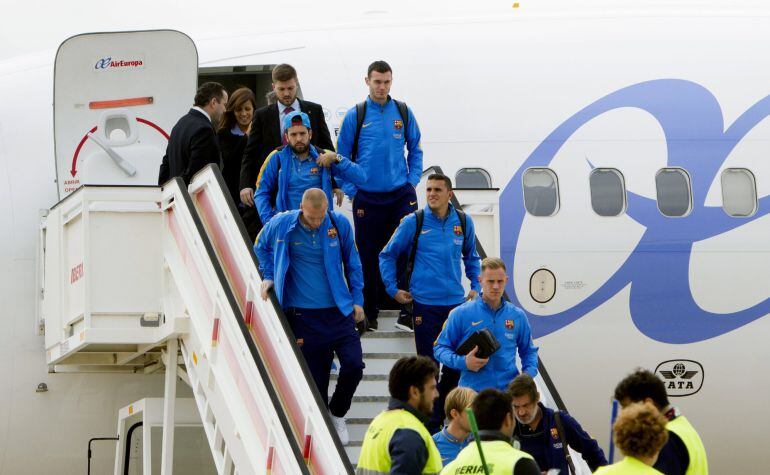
(276, 174)
(439, 251)
(381, 148)
(272, 250)
(510, 326)
(545, 446)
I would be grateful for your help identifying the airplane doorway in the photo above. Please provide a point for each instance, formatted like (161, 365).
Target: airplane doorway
(255, 77)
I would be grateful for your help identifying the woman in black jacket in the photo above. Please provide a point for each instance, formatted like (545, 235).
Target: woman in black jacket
(233, 134)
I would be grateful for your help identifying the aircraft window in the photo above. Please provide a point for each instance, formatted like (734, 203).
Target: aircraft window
(674, 193)
(739, 192)
(473, 178)
(541, 191)
(608, 192)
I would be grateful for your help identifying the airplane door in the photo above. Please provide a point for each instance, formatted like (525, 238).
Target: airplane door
(116, 98)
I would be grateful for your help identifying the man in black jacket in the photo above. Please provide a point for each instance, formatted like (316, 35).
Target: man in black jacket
(267, 134)
(193, 142)
(541, 436)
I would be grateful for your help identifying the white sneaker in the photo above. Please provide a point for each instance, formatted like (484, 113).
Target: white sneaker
(342, 429)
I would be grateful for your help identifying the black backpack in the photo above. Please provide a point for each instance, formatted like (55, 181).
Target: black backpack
(361, 114)
(420, 216)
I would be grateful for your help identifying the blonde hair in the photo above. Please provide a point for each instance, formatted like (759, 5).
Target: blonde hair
(458, 399)
(640, 430)
(315, 198)
(492, 263)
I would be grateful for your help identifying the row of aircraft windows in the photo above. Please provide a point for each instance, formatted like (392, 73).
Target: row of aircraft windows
(608, 192)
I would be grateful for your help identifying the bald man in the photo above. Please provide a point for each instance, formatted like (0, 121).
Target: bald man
(306, 256)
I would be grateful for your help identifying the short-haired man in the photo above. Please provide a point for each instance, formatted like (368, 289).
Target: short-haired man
(684, 452)
(193, 142)
(542, 436)
(492, 409)
(397, 441)
(386, 128)
(310, 258)
(453, 437)
(267, 134)
(505, 321)
(446, 241)
(289, 171)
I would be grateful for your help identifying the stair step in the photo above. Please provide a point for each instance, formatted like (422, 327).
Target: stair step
(353, 452)
(388, 344)
(367, 377)
(367, 387)
(367, 410)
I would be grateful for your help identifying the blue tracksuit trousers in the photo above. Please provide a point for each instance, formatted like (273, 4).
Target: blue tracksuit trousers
(321, 333)
(428, 322)
(376, 217)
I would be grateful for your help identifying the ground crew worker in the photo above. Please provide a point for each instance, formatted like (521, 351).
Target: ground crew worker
(397, 441)
(288, 171)
(504, 320)
(541, 436)
(494, 417)
(454, 436)
(684, 452)
(388, 194)
(309, 257)
(640, 432)
(446, 240)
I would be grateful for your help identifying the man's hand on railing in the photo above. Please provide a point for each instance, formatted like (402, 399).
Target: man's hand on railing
(265, 288)
(358, 313)
(247, 197)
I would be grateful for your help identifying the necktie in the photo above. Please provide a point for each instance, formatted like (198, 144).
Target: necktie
(286, 111)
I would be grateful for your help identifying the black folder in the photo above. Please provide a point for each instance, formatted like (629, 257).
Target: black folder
(484, 339)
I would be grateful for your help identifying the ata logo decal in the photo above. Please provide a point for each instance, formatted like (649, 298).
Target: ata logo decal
(697, 140)
(681, 377)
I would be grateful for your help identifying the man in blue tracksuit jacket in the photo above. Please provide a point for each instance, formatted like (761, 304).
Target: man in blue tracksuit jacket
(307, 255)
(288, 171)
(441, 247)
(388, 194)
(541, 437)
(504, 320)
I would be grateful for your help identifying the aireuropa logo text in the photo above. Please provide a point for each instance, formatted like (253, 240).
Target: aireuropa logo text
(109, 63)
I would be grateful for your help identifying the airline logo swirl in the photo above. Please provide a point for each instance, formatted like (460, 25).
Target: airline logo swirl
(689, 114)
(113, 63)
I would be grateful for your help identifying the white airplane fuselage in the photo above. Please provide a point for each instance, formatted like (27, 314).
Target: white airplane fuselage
(535, 86)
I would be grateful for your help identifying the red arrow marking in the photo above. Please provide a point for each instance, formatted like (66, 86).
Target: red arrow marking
(74, 170)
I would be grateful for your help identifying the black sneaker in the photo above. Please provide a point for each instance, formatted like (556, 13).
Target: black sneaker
(371, 325)
(405, 323)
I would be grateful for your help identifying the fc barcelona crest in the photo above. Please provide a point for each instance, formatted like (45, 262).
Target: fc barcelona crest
(458, 230)
(360, 212)
(314, 171)
(417, 320)
(554, 433)
(509, 324)
(332, 233)
(398, 124)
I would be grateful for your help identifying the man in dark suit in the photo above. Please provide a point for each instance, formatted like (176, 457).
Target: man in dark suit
(193, 141)
(267, 134)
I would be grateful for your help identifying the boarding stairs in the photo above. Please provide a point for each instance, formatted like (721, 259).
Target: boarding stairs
(149, 279)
